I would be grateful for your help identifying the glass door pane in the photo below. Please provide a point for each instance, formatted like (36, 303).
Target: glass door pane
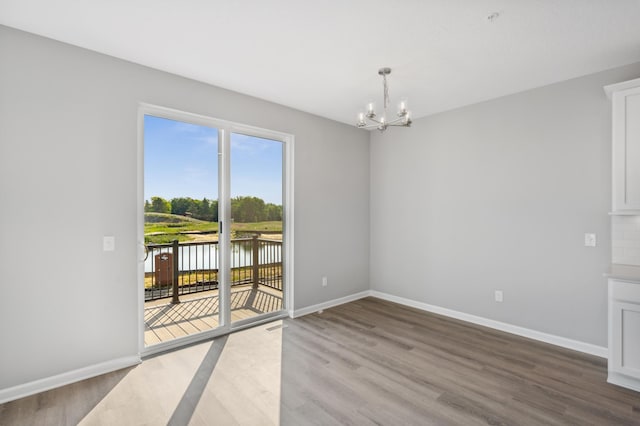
(181, 281)
(256, 264)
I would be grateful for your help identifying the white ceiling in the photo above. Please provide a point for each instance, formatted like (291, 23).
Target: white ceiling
(323, 56)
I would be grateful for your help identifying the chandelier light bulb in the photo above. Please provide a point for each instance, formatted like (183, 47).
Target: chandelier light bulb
(402, 109)
(370, 110)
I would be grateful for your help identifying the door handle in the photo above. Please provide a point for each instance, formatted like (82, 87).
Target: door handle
(142, 248)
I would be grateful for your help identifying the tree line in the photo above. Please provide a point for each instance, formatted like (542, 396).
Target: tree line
(243, 209)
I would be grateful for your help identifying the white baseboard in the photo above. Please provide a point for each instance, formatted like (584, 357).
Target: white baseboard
(509, 328)
(41, 385)
(329, 304)
(624, 381)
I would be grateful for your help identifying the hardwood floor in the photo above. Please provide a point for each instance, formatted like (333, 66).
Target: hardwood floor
(389, 364)
(365, 362)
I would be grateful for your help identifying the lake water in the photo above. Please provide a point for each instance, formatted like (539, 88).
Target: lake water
(205, 256)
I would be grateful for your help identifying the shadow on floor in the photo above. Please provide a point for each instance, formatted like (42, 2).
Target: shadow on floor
(66, 405)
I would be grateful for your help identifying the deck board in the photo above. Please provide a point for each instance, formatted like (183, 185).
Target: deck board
(199, 312)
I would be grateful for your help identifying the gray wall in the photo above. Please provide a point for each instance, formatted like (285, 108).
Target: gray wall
(498, 195)
(68, 133)
(492, 196)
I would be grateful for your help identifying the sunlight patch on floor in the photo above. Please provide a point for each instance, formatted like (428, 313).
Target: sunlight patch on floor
(244, 387)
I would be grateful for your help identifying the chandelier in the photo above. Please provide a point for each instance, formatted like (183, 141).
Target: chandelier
(370, 120)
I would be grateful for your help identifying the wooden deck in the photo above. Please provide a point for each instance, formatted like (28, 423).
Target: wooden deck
(199, 311)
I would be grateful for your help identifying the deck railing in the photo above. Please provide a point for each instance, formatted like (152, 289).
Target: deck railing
(174, 269)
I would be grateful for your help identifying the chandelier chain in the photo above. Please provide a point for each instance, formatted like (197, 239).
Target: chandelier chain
(386, 92)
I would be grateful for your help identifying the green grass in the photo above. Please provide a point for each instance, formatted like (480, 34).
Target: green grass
(165, 238)
(176, 228)
(151, 217)
(258, 226)
(162, 228)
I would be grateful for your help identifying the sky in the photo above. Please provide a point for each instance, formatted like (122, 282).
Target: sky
(181, 160)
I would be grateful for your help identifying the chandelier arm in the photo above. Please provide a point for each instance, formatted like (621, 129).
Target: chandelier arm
(370, 126)
(397, 122)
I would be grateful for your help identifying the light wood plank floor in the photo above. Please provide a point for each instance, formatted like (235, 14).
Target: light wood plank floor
(363, 363)
(198, 312)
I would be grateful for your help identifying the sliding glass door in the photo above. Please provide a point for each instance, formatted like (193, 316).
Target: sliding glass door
(256, 226)
(181, 179)
(214, 220)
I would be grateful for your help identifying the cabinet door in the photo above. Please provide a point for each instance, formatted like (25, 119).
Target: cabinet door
(626, 149)
(624, 356)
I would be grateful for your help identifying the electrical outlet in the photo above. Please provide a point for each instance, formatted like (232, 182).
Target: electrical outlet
(324, 281)
(109, 243)
(498, 296)
(589, 240)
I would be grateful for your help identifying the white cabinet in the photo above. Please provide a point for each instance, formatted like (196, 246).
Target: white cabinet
(625, 99)
(624, 334)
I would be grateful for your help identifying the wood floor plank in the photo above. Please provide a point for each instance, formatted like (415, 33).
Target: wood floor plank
(368, 362)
